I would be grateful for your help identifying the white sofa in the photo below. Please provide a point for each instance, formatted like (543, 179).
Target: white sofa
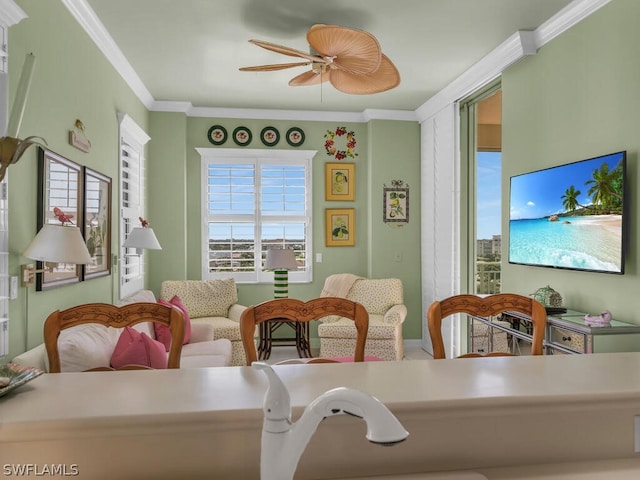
(87, 346)
(214, 303)
(383, 299)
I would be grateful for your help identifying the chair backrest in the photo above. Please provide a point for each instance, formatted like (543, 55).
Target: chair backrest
(294, 310)
(484, 307)
(117, 317)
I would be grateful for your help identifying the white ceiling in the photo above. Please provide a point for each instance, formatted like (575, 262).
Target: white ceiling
(190, 50)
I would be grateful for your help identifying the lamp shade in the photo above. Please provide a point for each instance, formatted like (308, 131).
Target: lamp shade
(58, 244)
(142, 237)
(280, 259)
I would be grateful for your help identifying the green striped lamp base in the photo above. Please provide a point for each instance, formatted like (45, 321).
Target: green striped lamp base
(280, 284)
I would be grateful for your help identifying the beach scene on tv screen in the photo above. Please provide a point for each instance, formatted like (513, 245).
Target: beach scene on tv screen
(569, 216)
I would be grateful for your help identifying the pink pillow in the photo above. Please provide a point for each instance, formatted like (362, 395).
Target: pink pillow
(135, 348)
(163, 333)
(176, 302)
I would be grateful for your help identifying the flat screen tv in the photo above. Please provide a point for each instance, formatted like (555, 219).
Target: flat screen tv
(571, 216)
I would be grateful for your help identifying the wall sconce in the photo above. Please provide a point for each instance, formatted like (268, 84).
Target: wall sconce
(12, 147)
(280, 261)
(54, 244)
(142, 237)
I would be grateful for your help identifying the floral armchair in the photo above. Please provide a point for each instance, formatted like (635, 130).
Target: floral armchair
(383, 299)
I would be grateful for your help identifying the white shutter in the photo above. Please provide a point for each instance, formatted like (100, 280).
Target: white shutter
(254, 200)
(132, 203)
(4, 269)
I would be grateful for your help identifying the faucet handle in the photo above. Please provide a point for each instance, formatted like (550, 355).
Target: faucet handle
(277, 402)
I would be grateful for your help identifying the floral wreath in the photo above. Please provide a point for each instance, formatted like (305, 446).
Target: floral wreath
(330, 147)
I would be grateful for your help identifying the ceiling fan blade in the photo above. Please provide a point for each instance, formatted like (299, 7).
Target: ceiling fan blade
(309, 78)
(270, 68)
(355, 51)
(385, 78)
(292, 52)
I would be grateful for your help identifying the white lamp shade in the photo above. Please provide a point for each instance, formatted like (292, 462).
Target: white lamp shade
(142, 237)
(58, 244)
(280, 259)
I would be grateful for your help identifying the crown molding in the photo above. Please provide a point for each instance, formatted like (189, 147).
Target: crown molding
(10, 13)
(510, 51)
(566, 18)
(480, 73)
(403, 115)
(88, 20)
(294, 115)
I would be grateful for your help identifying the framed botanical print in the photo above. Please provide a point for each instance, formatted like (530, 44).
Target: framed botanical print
(339, 181)
(396, 203)
(59, 202)
(340, 224)
(97, 223)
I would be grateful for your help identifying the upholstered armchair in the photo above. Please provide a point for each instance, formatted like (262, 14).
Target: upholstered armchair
(214, 303)
(384, 301)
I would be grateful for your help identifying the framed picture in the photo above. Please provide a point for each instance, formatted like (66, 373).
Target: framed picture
(340, 181)
(59, 201)
(340, 224)
(396, 204)
(97, 223)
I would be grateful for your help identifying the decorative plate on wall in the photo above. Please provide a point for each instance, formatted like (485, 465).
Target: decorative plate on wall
(270, 136)
(295, 136)
(217, 134)
(242, 136)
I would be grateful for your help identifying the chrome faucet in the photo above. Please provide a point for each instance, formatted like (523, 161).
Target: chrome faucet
(283, 441)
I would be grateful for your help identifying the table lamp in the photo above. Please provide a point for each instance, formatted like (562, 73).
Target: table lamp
(280, 261)
(54, 244)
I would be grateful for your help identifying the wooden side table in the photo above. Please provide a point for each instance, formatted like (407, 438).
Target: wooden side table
(267, 340)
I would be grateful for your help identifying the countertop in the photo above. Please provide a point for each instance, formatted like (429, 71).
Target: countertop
(573, 400)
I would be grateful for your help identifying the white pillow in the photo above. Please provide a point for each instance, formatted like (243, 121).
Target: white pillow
(86, 346)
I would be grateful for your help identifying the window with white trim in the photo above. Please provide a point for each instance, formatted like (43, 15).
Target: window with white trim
(254, 200)
(132, 202)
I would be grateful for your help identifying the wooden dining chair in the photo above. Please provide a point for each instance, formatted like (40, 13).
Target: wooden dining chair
(293, 310)
(118, 317)
(484, 307)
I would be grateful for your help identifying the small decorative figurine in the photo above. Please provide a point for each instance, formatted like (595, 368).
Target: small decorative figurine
(602, 320)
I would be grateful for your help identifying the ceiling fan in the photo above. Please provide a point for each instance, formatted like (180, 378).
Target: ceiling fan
(350, 59)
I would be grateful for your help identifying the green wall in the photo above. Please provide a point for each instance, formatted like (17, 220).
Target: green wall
(385, 150)
(578, 98)
(167, 193)
(395, 250)
(72, 80)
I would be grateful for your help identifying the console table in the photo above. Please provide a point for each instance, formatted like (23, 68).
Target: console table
(565, 333)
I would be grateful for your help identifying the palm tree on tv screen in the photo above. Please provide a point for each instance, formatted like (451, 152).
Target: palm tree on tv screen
(606, 187)
(570, 199)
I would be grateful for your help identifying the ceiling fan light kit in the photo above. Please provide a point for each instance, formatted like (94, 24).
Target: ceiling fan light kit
(350, 59)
